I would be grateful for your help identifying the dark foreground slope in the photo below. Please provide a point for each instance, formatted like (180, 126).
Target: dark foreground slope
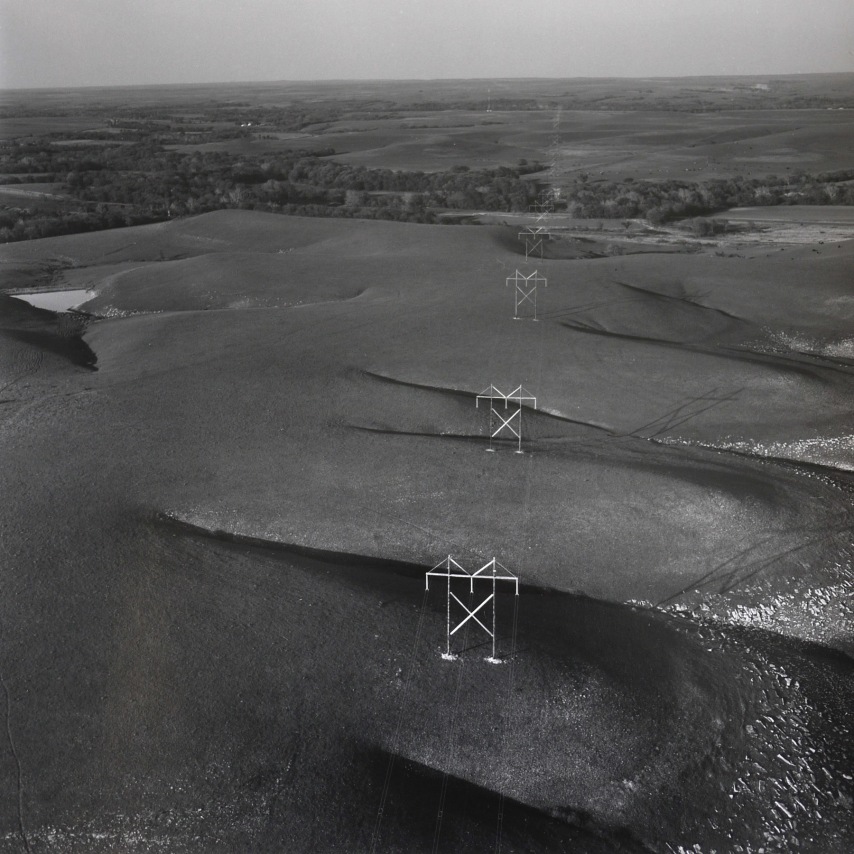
(312, 383)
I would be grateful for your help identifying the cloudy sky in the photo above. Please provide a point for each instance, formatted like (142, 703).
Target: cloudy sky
(124, 42)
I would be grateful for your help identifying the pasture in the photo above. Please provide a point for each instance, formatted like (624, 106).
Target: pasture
(309, 384)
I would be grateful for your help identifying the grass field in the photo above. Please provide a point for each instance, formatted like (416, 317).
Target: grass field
(229, 472)
(614, 144)
(694, 127)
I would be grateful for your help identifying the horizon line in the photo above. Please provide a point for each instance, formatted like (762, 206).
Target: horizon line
(358, 80)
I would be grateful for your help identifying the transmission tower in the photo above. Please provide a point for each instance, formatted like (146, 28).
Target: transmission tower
(492, 572)
(534, 237)
(543, 208)
(525, 291)
(508, 425)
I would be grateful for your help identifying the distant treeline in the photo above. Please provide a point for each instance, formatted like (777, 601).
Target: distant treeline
(666, 201)
(112, 186)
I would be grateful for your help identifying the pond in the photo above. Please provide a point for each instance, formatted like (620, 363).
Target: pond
(58, 301)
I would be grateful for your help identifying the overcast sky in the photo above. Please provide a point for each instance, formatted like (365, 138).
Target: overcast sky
(123, 42)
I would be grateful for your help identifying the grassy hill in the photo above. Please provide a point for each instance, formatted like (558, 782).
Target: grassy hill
(179, 674)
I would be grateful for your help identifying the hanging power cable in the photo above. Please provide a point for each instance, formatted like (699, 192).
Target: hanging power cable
(396, 736)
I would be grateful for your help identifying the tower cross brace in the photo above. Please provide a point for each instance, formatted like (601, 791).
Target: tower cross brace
(543, 209)
(533, 237)
(526, 290)
(511, 423)
(492, 571)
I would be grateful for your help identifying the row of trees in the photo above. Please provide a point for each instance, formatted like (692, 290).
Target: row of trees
(108, 186)
(27, 224)
(665, 201)
(111, 186)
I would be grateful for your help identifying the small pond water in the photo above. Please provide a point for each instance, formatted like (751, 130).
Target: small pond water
(56, 300)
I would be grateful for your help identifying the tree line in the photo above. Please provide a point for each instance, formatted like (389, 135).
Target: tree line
(665, 201)
(110, 185)
(118, 185)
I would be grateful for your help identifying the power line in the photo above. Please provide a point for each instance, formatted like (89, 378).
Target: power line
(396, 737)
